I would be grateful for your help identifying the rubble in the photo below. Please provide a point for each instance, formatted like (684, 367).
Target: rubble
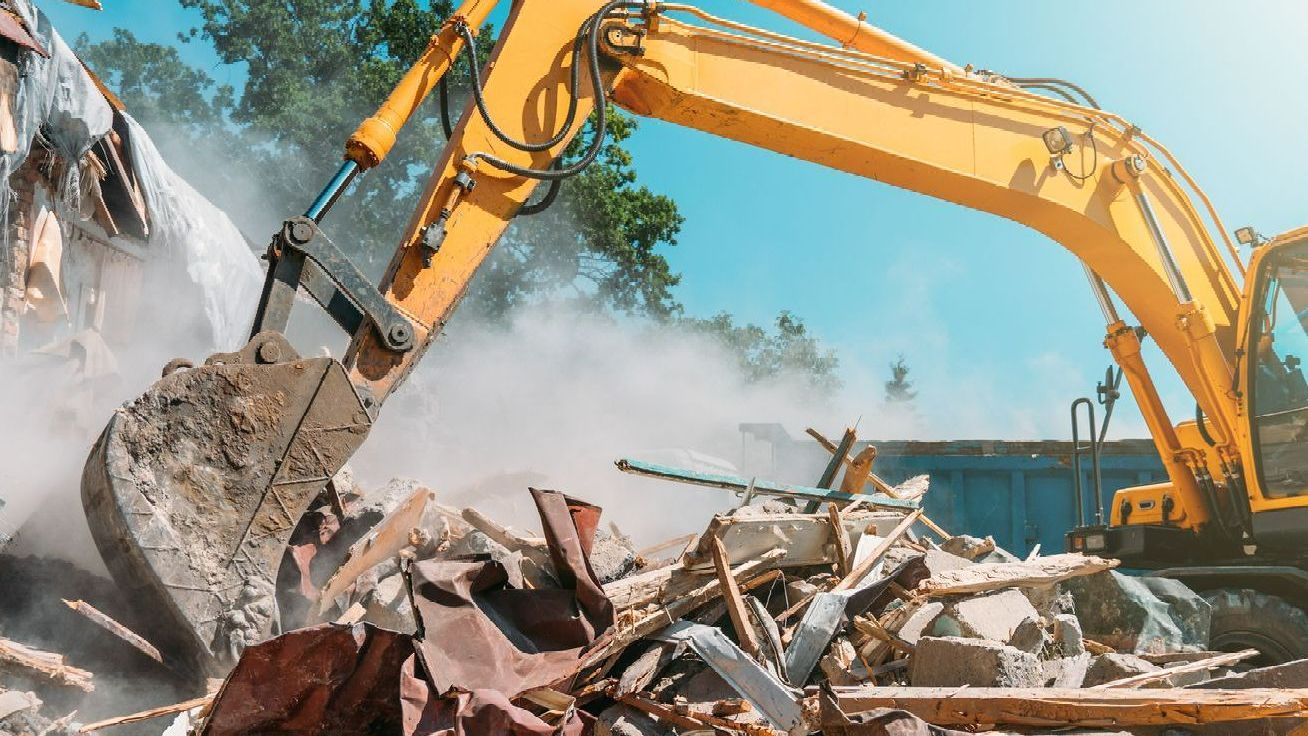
(403, 615)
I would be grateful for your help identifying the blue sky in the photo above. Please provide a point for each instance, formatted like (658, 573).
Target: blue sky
(995, 319)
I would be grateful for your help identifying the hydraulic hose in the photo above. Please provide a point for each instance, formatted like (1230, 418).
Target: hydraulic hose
(591, 30)
(574, 87)
(1043, 81)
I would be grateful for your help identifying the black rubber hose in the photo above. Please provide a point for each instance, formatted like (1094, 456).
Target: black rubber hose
(1021, 81)
(443, 92)
(1052, 88)
(601, 108)
(1203, 430)
(574, 87)
(535, 208)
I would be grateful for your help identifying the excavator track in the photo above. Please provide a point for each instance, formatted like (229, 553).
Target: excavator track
(193, 490)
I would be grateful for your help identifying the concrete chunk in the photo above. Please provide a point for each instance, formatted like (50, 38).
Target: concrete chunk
(1030, 636)
(968, 547)
(938, 561)
(920, 621)
(1066, 671)
(1067, 635)
(994, 616)
(954, 662)
(1110, 667)
(1122, 612)
(1282, 676)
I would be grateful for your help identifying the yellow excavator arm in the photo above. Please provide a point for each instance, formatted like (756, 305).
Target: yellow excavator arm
(875, 106)
(257, 433)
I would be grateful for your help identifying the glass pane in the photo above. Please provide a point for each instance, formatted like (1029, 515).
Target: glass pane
(1280, 400)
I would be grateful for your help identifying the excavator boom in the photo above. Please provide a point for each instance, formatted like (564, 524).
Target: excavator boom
(232, 452)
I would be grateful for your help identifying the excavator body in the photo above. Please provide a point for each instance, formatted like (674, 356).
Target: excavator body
(194, 489)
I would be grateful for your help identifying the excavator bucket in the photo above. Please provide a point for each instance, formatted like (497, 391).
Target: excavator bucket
(194, 488)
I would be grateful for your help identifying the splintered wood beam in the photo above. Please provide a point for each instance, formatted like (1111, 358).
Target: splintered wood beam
(145, 715)
(1201, 665)
(861, 570)
(658, 617)
(1041, 571)
(830, 446)
(46, 663)
(1088, 708)
(102, 619)
(840, 540)
(745, 633)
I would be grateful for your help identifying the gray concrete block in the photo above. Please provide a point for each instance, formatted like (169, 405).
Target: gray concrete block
(994, 616)
(1030, 636)
(953, 662)
(1067, 635)
(1067, 672)
(1110, 667)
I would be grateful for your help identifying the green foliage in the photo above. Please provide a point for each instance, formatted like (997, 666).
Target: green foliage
(789, 351)
(309, 70)
(899, 389)
(314, 68)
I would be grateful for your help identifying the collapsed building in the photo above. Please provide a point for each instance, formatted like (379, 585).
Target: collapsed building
(837, 608)
(90, 209)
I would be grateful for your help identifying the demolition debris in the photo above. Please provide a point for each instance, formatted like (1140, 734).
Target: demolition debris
(800, 610)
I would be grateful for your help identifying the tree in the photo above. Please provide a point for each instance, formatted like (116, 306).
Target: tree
(789, 351)
(899, 389)
(314, 68)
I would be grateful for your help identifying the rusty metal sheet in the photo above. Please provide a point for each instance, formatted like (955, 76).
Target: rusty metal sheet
(320, 680)
(479, 633)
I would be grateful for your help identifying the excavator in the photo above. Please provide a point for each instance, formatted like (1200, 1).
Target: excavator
(194, 488)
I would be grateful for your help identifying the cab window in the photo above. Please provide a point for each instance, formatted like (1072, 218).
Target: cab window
(1280, 393)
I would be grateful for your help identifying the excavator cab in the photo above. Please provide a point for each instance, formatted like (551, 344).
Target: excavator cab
(1278, 395)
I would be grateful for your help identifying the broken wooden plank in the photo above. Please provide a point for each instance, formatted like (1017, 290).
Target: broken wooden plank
(102, 619)
(657, 549)
(649, 622)
(806, 538)
(735, 604)
(382, 542)
(147, 714)
(840, 456)
(829, 446)
(1042, 571)
(1057, 707)
(761, 487)
(46, 663)
(502, 535)
(840, 541)
(1221, 660)
(890, 539)
(929, 524)
(858, 471)
(695, 721)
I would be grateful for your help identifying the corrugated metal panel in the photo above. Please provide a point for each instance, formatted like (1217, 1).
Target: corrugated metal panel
(1020, 492)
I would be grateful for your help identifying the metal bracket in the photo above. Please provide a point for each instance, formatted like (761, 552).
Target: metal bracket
(301, 255)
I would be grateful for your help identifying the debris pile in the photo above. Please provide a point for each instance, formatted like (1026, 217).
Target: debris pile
(800, 610)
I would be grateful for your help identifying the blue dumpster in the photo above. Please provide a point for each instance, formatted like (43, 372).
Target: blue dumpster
(1019, 492)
